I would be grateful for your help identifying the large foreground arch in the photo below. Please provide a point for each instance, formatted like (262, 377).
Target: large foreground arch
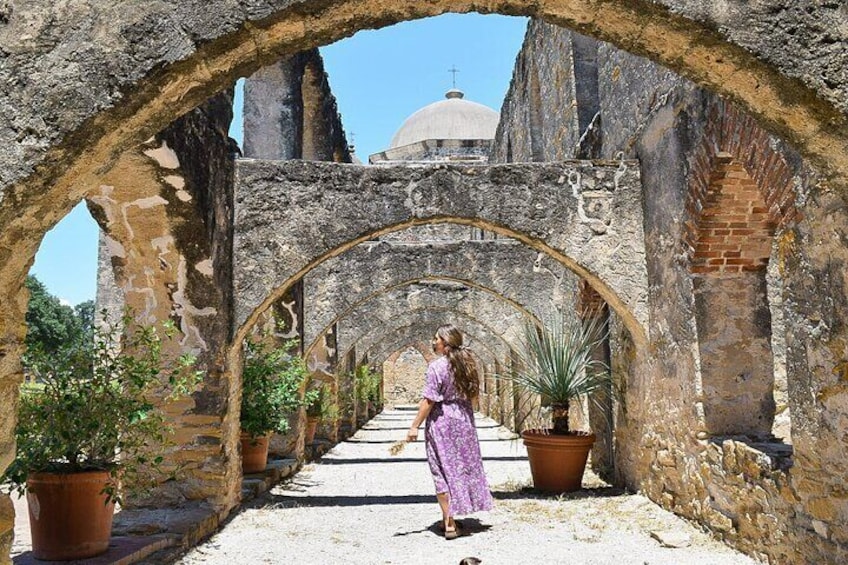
(73, 104)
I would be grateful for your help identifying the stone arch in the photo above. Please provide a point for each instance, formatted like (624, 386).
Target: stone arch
(765, 74)
(496, 399)
(460, 295)
(398, 336)
(514, 271)
(56, 161)
(500, 319)
(540, 205)
(427, 320)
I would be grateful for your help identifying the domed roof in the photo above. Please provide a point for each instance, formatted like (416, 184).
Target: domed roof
(453, 118)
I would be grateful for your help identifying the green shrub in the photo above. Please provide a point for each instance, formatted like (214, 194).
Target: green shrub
(271, 383)
(367, 384)
(91, 406)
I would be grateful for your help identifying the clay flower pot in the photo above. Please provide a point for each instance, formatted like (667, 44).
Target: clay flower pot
(254, 453)
(69, 515)
(557, 462)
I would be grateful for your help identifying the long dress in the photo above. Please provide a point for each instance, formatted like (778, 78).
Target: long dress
(453, 450)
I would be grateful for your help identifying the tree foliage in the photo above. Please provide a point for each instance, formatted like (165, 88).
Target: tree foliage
(51, 323)
(272, 379)
(92, 407)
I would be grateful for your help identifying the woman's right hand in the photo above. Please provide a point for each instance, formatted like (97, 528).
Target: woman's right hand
(412, 434)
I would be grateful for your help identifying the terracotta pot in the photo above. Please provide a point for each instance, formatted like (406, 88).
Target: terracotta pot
(557, 462)
(68, 515)
(311, 428)
(254, 453)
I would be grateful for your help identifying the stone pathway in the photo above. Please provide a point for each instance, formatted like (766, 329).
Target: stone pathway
(361, 505)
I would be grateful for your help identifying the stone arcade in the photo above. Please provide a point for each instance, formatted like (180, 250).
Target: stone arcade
(713, 180)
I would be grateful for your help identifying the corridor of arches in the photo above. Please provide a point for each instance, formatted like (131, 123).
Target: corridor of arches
(700, 212)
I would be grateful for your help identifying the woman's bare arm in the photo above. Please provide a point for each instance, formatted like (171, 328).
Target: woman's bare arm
(424, 408)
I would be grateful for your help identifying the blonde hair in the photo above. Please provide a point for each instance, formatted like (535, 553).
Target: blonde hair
(465, 376)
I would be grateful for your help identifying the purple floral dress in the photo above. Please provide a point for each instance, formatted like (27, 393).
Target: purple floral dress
(453, 450)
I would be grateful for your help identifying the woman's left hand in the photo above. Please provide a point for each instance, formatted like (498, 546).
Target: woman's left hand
(412, 434)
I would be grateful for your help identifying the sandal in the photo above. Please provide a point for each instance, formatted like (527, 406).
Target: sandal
(451, 533)
(458, 524)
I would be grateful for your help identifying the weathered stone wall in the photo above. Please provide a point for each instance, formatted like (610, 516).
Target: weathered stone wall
(501, 317)
(532, 203)
(403, 377)
(291, 113)
(774, 501)
(512, 270)
(166, 257)
(387, 337)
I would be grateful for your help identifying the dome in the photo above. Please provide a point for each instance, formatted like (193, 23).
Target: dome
(453, 118)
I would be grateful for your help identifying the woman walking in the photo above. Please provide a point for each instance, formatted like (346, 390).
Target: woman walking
(453, 450)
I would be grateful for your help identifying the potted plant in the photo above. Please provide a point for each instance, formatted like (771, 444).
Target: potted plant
(322, 409)
(271, 383)
(367, 392)
(557, 363)
(86, 425)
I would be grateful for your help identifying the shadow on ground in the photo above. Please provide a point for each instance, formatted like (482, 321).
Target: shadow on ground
(284, 501)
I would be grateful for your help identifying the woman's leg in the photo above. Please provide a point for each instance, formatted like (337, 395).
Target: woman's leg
(447, 519)
(444, 504)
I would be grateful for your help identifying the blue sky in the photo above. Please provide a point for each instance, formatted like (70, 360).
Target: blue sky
(378, 77)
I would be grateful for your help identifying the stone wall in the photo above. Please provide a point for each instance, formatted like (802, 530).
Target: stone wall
(772, 500)
(511, 270)
(283, 226)
(403, 377)
(165, 257)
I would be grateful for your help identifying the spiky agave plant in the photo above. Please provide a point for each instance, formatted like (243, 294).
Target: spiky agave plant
(556, 362)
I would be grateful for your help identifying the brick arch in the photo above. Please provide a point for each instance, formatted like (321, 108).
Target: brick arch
(742, 192)
(736, 226)
(735, 155)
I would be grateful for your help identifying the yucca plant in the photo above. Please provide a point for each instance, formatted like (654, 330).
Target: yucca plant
(556, 362)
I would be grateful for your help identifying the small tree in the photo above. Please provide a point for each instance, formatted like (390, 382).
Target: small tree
(93, 409)
(272, 381)
(50, 324)
(556, 362)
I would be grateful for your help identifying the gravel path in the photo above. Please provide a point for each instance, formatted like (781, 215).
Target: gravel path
(361, 505)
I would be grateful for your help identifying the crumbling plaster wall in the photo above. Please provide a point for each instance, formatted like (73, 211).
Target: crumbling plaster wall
(165, 210)
(766, 499)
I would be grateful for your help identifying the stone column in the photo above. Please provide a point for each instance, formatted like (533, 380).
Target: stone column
(273, 111)
(594, 311)
(170, 259)
(323, 135)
